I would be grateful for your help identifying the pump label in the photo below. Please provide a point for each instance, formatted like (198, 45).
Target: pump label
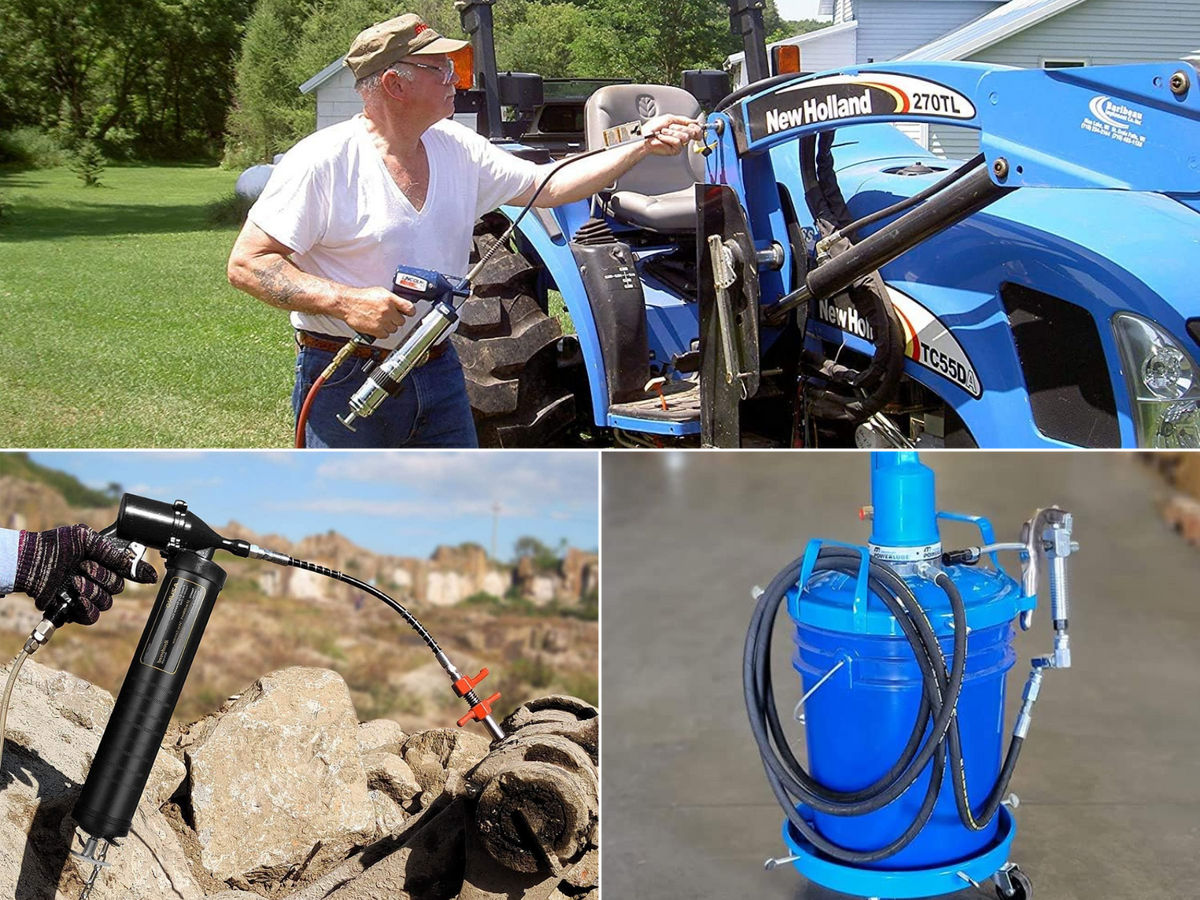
(927, 342)
(905, 554)
(173, 624)
(848, 97)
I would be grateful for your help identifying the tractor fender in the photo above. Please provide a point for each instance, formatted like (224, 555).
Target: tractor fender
(544, 232)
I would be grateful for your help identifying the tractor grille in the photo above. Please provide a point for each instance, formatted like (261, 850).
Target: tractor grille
(1065, 369)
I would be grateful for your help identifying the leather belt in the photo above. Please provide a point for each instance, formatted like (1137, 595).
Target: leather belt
(332, 344)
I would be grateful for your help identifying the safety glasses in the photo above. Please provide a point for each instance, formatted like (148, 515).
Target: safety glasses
(446, 72)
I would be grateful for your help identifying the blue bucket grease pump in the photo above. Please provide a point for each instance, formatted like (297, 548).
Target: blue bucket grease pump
(903, 652)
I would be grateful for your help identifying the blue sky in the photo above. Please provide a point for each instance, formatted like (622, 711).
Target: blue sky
(399, 503)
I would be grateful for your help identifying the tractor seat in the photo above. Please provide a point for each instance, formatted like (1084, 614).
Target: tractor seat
(659, 192)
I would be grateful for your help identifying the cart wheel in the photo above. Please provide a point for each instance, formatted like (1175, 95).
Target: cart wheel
(1022, 886)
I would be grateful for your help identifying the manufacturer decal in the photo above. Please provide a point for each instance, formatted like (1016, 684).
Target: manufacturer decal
(173, 625)
(853, 96)
(1112, 119)
(905, 554)
(412, 282)
(927, 342)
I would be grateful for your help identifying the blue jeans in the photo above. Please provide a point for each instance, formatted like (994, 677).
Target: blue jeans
(431, 409)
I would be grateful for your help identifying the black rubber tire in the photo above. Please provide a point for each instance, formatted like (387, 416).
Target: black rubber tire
(1023, 887)
(510, 353)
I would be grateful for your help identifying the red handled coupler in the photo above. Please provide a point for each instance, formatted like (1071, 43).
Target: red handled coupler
(481, 710)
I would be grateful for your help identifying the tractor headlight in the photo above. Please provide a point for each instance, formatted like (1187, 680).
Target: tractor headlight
(1162, 383)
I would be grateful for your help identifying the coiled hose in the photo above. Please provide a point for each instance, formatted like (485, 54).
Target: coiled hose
(789, 781)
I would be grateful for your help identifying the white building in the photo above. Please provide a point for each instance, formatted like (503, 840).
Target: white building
(334, 89)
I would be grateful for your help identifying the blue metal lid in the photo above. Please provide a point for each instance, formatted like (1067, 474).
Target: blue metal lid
(838, 602)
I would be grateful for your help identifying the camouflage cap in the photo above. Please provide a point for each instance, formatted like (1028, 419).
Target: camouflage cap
(388, 42)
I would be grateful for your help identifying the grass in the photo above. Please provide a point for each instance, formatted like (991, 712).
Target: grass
(121, 328)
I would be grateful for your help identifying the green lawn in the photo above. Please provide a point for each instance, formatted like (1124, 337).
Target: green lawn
(120, 329)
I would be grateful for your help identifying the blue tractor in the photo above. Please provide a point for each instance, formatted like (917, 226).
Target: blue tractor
(809, 276)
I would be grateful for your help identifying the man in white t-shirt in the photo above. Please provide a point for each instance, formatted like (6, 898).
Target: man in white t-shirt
(398, 184)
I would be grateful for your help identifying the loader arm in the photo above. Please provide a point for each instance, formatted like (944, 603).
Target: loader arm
(1134, 127)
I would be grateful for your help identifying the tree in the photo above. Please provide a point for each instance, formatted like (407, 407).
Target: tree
(540, 37)
(653, 41)
(89, 163)
(150, 72)
(269, 114)
(544, 559)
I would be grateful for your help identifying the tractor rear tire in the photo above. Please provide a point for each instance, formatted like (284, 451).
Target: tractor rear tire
(510, 351)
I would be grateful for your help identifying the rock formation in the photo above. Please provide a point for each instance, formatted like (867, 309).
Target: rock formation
(282, 793)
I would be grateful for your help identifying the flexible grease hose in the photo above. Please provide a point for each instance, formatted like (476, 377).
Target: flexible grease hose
(464, 687)
(374, 592)
(8, 686)
(787, 777)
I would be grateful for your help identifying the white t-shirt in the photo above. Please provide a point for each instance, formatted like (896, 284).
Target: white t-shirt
(332, 200)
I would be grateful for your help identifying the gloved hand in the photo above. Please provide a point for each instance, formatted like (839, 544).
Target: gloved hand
(95, 567)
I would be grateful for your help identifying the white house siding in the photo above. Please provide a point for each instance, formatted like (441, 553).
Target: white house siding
(891, 28)
(1104, 32)
(828, 48)
(337, 100)
(830, 53)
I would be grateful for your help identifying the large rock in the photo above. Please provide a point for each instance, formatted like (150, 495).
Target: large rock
(55, 722)
(426, 865)
(381, 734)
(435, 753)
(390, 774)
(279, 774)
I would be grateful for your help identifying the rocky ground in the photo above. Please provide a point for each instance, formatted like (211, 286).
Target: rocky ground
(284, 793)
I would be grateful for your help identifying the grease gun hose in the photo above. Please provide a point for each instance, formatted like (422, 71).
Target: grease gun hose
(374, 592)
(787, 777)
(310, 396)
(8, 686)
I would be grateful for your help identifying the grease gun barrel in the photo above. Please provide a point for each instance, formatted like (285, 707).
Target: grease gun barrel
(385, 380)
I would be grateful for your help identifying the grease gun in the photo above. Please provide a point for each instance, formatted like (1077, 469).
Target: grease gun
(143, 709)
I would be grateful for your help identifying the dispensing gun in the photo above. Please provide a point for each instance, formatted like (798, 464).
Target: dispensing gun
(438, 298)
(1046, 537)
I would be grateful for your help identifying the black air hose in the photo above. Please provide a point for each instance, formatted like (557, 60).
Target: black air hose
(788, 779)
(873, 387)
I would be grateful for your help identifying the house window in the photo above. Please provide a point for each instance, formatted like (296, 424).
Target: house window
(1061, 63)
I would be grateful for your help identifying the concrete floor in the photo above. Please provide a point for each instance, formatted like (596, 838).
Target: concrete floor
(1109, 778)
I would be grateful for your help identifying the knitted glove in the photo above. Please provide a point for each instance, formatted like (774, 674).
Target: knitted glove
(74, 554)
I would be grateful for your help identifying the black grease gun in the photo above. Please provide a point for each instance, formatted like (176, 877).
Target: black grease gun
(142, 713)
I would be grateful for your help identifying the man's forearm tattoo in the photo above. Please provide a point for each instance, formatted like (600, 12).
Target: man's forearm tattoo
(277, 283)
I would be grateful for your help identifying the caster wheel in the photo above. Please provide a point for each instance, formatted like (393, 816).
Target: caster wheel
(1022, 886)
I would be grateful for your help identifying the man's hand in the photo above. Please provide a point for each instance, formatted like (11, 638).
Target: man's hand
(94, 566)
(374, 310)
(671, 134)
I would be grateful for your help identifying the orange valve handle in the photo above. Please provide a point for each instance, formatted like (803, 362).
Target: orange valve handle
(466, 684)
(479, 711)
